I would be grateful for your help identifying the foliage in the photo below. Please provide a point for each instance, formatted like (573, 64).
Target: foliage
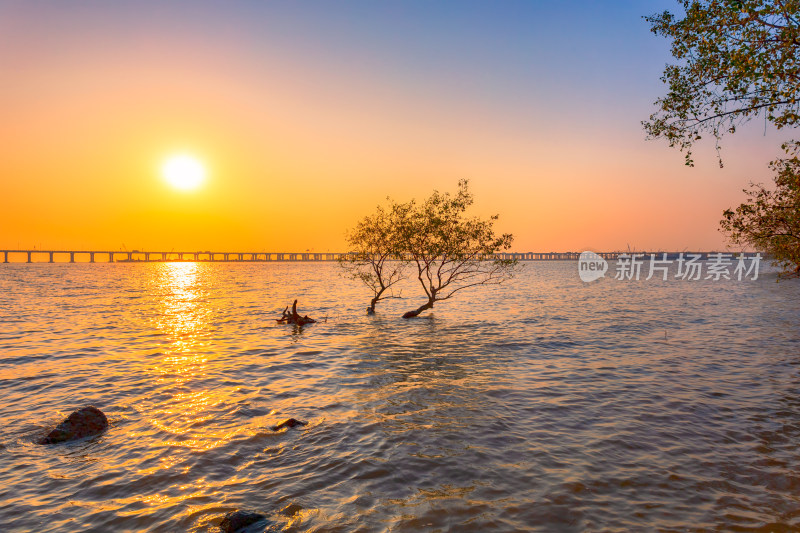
(737, 60)
(770, 219)
(451, 250)
(372, 255)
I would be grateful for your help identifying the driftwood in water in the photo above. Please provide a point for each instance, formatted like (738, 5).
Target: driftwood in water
(293, 318)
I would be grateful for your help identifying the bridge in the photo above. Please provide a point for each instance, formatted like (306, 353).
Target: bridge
(136, 256)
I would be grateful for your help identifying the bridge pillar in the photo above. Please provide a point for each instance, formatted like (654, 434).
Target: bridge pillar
(72, 257)
(5, 257)
(91, 257)
(241, 257)
(51, 256)
(29, 257)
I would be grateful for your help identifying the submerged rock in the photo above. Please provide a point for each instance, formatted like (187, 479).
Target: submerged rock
(288, 423)
(237, 521)
(84, 422)
(291, 509)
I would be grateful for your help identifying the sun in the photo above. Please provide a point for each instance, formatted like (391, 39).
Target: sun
(184, 172)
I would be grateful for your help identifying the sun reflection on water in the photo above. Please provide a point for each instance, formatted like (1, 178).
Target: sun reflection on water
(184, 408)
(184, 313)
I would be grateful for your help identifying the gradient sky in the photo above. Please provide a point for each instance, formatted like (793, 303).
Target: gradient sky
(308, 114)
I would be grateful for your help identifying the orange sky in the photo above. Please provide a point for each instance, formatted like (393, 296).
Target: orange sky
(305, 123)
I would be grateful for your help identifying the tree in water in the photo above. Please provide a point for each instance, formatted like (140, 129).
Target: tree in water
(372, 258)
(737, 60)
(450, 250)
(770, 219)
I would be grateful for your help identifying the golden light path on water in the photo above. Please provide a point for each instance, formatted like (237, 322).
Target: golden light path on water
(547, 404)
(183, 319)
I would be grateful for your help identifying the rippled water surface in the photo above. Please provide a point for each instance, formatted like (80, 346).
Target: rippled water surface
(545, 404)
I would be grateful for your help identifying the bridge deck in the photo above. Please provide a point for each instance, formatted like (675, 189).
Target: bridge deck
(135, 256)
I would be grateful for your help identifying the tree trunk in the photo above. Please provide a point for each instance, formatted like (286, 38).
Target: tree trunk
(416, 312)
(371, 308)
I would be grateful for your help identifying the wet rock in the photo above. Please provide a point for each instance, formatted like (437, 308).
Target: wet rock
(291, 509)
(83, 422)
(238, 521)
(288, 423)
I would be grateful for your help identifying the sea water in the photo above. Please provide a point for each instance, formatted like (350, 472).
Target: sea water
(543, 404)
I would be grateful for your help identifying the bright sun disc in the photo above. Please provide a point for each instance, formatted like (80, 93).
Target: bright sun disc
(183, 172)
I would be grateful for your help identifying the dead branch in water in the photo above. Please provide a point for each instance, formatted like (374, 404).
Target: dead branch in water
(293, 317)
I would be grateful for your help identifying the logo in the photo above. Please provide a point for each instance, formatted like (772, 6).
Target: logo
(591, 266)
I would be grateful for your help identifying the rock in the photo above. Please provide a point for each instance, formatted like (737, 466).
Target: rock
(288, 423)
(83, 422)
(237, 521)
(291, 510)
